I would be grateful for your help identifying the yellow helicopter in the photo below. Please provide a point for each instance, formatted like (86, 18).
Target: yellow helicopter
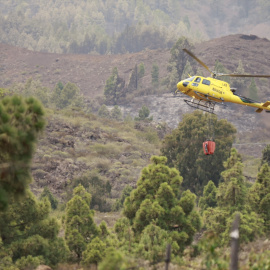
(208, 92)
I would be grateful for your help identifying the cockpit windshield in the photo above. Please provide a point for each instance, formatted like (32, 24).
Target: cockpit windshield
(190, 79)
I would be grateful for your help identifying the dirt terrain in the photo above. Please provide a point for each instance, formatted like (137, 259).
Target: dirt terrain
(90, 72)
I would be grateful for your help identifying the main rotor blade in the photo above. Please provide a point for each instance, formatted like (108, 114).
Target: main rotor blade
(244, 75)
(198, 60)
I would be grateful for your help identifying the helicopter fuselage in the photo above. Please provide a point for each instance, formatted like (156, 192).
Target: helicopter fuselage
(214, 90)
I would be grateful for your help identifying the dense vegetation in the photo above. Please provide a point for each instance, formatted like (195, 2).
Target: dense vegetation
(158, 211)
(94, 159)
(106, 152)
(120, 26)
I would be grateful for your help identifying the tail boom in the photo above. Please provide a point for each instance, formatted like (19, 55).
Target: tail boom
(264, 106)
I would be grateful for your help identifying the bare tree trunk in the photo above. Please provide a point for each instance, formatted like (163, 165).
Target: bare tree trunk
(168, 257)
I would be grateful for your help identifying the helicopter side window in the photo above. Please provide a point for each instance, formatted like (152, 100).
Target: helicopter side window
(197, 80)
(207, 82)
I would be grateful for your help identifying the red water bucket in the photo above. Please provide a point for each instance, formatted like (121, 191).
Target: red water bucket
(209, 147)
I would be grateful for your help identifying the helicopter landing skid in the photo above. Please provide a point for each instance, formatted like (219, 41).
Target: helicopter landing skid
(207, 106)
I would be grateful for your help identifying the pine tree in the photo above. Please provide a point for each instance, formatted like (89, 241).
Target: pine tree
(57, 92)
(125, 234)
(133, 81)
(232, 198)
(46, 193)
(114, 88)
(144, 113)
(27, 230)
(119, 202)
(70, 96)
(153, 243)
(155, 75)
(177, 62)
(232, 192)
(187, 71)
(104, 112)
(266, 155)
(21, 121)
(114, 260)
(209, 196)
(157, 199)
(99, 188)
(259, 195)
(141, 70)
(80, 228)
(183, 149)
(94, 252)
(116, 113)
(173, 77)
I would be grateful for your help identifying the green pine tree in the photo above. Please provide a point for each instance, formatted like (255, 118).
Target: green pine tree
(104, 112)
(155, 75)
(21, 121)
(259, 195)
(27, 230)
(57, 91)
(114, 260)
(144, 113)
(116, 113)
(232, 198)
(94, 252)
(125, 234)
(187, 71)
(141, 70)
(266, 155)
(177, 62)
(157, 199)
(46, 193)
(114, 88)
(153, 243)
(80, 228)
(209, 196)
(70, 96)
(232, 192)
(119, 202)
(184, 151)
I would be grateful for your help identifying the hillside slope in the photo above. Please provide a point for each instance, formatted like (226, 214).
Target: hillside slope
(90, 73)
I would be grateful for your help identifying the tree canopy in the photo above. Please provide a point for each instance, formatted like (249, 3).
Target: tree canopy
(27, 230)
(157, 199)
(21, 121)
(80, 228)
(231, 198)
(118, 26)
(183, 149)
